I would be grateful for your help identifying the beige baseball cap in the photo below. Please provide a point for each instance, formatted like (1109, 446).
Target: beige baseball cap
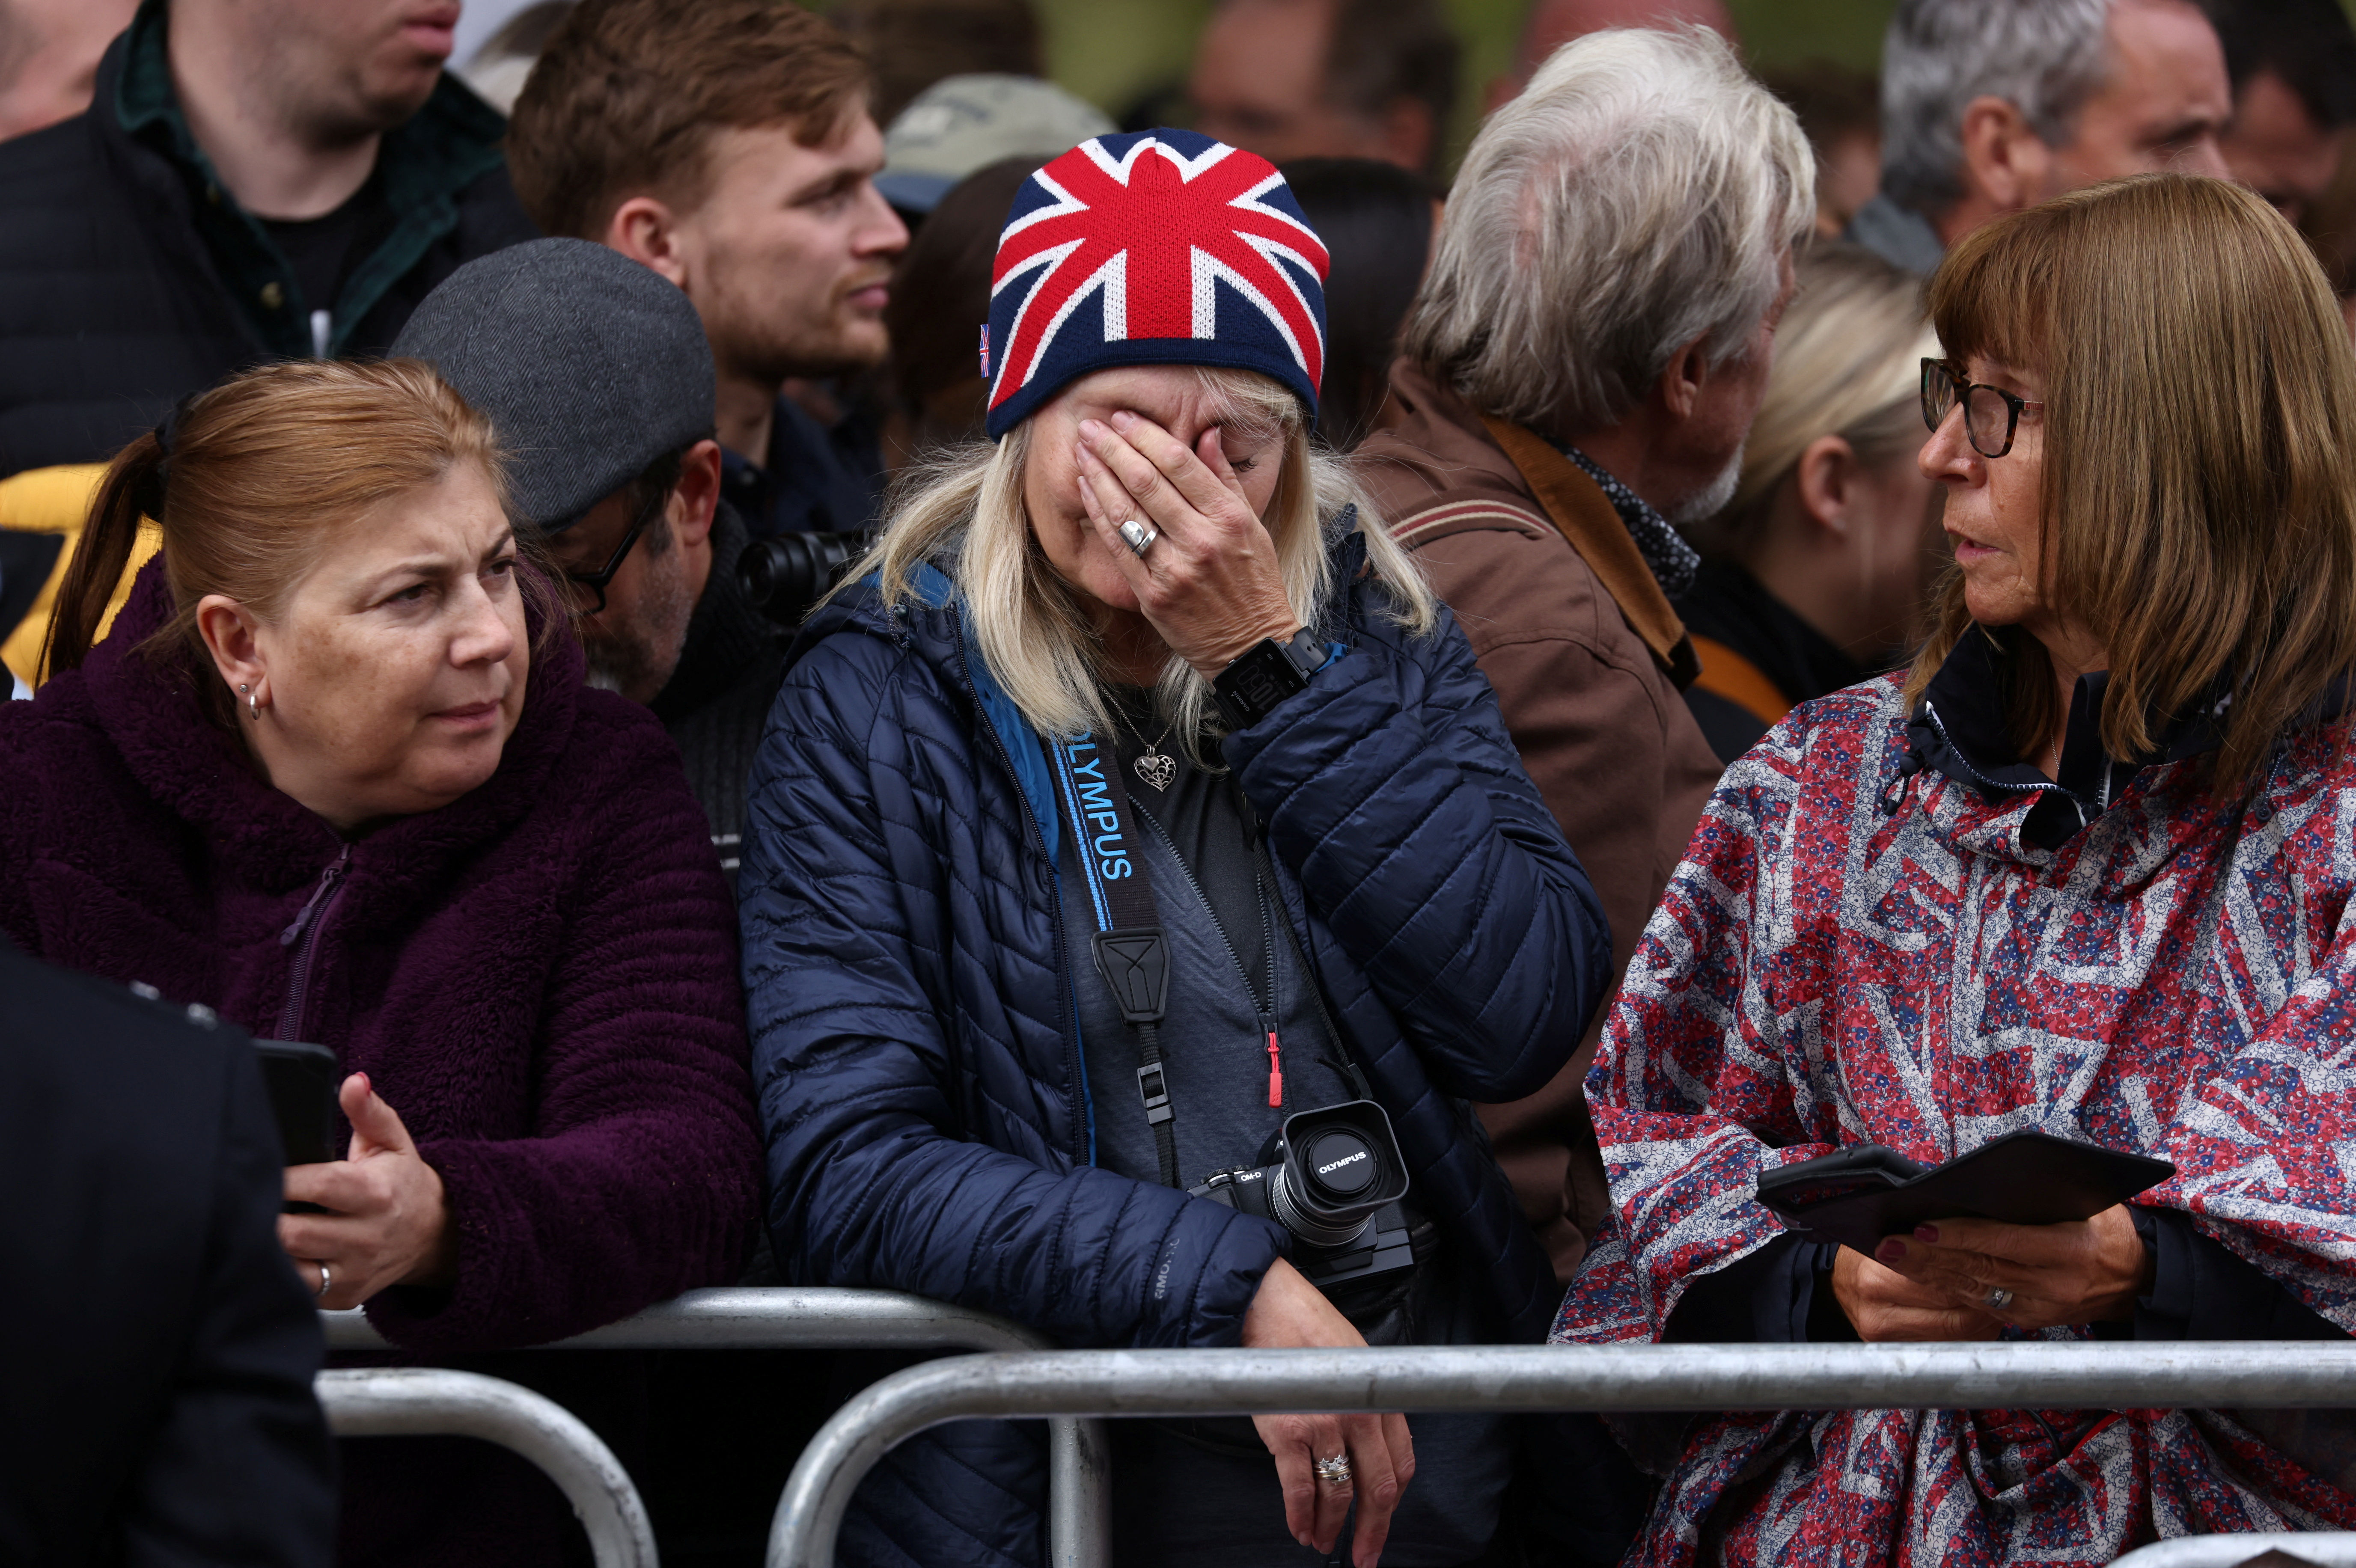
(961, 123)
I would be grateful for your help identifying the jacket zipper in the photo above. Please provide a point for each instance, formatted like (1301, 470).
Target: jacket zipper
(303, 936)
(1340, 1061)
(1264, 1010)
(1084, 1118)
(1956, 752)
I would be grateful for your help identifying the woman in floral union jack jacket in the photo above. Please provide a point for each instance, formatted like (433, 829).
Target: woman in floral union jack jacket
(2087, 868)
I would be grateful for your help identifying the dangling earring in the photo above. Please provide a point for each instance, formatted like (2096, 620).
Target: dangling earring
(252, 703)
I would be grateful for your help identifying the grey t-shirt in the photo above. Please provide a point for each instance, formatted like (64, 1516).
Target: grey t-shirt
(1219, 912)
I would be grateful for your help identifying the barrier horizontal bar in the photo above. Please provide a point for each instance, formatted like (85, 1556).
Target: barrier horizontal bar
(2035, 1374)
(432, 1402)
(745, 1318)
(2333, 1548)
(823, 1318)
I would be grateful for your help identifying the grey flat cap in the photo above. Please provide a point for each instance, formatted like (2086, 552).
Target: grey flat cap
(589, 365)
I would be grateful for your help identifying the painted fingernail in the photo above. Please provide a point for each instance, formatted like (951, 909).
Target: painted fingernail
(1890, 1251)
(1123, 419)
(1927, 1234)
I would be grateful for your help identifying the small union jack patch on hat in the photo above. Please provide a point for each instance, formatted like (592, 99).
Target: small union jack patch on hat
(1153, 248)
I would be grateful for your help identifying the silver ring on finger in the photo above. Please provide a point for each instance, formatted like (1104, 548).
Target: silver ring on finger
(1998, 1298)
(1138, 536)
(322, 1280)
(1335, 1472)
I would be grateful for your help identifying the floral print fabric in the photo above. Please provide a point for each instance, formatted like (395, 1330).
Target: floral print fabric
(1851, 954)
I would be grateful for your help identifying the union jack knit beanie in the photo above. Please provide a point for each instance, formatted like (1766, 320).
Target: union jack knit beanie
(1152, 248)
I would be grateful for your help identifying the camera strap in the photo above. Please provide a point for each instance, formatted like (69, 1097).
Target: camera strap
(1131, 953)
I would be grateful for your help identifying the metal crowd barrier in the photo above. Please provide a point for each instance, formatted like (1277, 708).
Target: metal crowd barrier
(1079, 1499)
(2335, 1549)
(2034, 1374)
(416, 1402)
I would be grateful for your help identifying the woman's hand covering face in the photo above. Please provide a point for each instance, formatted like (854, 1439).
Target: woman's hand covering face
(2088, 1270)
(1209, 584)
(1144, 445)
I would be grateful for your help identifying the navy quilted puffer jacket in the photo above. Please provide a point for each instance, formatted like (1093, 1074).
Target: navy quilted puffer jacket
(915, 1045)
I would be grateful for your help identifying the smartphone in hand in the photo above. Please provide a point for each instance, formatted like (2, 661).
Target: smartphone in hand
(302, 1079)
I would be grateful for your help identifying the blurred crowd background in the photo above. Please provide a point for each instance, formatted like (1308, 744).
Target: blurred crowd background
(1150, 62)
(1123, 55)
(1130, 58)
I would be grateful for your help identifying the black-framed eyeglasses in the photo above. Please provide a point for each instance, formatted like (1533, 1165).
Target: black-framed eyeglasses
(595, 581)
(1991, 415)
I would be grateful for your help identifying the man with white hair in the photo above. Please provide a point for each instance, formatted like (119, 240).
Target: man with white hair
(1990, 106)
(1577, 376)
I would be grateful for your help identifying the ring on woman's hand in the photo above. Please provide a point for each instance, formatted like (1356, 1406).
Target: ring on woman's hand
(1336, 1471)
(1998, 1298)
(323, 1279)
(1138, 536)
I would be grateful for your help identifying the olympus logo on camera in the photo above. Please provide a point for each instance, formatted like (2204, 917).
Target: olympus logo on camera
(1345, 1159)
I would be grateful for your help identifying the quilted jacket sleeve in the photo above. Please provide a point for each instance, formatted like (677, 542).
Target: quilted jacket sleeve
(872, 1021)
(1390, 788)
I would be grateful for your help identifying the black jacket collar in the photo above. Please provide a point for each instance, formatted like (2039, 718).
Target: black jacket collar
(1958, 731)
(1729, 605)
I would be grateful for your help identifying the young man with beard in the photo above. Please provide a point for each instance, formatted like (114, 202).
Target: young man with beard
(598, 377)
(728, 146)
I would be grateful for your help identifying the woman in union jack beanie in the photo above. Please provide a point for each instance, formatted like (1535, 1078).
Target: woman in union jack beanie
(1136, 805)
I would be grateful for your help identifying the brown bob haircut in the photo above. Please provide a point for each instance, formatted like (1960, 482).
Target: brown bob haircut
(2197, 502)
(267, 473)
(627, 94)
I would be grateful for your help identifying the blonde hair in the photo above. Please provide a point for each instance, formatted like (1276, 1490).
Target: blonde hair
(1849, 362)
(2197, 505)
(265, 474)
(964, 514)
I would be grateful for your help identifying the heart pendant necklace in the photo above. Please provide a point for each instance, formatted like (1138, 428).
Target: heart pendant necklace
(1154, 767)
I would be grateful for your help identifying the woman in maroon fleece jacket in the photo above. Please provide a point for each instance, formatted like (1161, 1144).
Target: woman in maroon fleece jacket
(335, 776)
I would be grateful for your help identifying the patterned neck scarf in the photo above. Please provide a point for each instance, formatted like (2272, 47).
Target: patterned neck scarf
(1674, 561)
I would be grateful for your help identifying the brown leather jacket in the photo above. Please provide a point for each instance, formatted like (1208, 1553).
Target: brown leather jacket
(1589, 661)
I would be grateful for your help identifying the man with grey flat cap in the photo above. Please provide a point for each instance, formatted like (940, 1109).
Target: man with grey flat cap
(596, 374)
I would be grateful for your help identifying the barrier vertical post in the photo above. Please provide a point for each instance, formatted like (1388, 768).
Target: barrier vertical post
(423, 1402)
(1080, 1494)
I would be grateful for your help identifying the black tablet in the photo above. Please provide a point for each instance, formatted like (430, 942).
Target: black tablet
(1857, 1196)
(302, 1079)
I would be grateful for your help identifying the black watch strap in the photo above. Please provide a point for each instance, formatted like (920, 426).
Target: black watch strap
(1248, 690)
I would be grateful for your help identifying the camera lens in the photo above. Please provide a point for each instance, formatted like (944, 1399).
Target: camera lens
(786, 575)
(1340, 1165)
(1325, 1175)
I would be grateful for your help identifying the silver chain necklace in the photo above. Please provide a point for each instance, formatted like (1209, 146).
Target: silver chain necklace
(1154, 766)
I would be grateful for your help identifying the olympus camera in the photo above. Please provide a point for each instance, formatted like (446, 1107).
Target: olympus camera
(1333, 1178)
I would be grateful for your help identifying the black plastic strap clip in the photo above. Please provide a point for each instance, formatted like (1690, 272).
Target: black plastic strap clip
(1155, 1092)
(1135, 962)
